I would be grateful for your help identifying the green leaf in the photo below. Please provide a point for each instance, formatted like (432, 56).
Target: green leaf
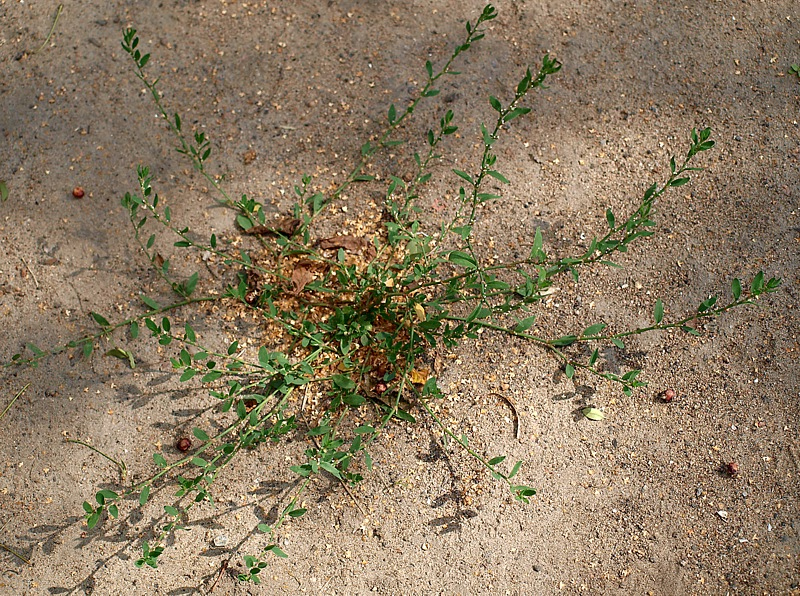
(3, 191)
(496, 460)
(514, 113)
(618, 342)
(593, 329)
(595, 356)
(658, 311)
(301, 471)
(264, 528)
(297, 512)
(160, 461)
(190, 284)
(100, 320)
(679, 181)
(330, 468)
(91, 522)
(392, 114)
(458, 257)
(200, 434)
(36, 351)
(736, 288)
(495, 103)
(497, 176)
(486, 196)
(564, 341)
(122, 355)
(150, 303)
(190, 334)
(463, 231)
(241, 410)
(344, 382)
(144, 495)
(464, 175)
(569, 370)
(244, 222)
(525, 324)
(364, 429)
(188, 374)
(610, 218)
(522, 492)
(211, 376)
(320, 430)
(515, 469)
(353, 400)
(593, 414)
(170, 510)
(199, 462)
(403, 415)
(275, 550)
(134, 328)
(758, 283)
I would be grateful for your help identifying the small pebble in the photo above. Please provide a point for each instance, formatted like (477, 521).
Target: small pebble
(723, 514)
(220, 540)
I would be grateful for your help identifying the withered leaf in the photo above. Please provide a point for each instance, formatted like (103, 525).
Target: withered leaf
(301, 275)
(350, 244)
(286, 226)
(249, 157)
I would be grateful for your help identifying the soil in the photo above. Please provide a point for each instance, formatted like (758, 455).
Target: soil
(639, 503)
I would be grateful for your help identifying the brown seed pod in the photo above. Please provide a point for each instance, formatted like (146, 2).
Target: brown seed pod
(77, 192)
(668, 395)
(380, 388)
(183, 444)
(732, 469)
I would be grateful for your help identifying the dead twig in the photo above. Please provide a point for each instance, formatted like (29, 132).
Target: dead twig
(8, 407)
(8, 549)
(222, 569)
(28, 267)
(52, 29)
(514, 411)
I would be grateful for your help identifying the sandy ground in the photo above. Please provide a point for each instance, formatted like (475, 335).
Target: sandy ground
(635, 504)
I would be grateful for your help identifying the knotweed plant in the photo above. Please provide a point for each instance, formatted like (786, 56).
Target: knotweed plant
(352, 320)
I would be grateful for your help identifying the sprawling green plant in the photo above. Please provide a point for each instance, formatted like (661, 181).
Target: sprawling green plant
(358, 316)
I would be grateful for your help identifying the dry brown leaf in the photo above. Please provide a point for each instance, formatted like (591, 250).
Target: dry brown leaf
(301, 275)
(249, 157)
(286, 225)
(350, 244)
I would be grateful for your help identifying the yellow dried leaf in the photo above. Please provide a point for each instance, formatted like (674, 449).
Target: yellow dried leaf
(419, 310)
(420, 377)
